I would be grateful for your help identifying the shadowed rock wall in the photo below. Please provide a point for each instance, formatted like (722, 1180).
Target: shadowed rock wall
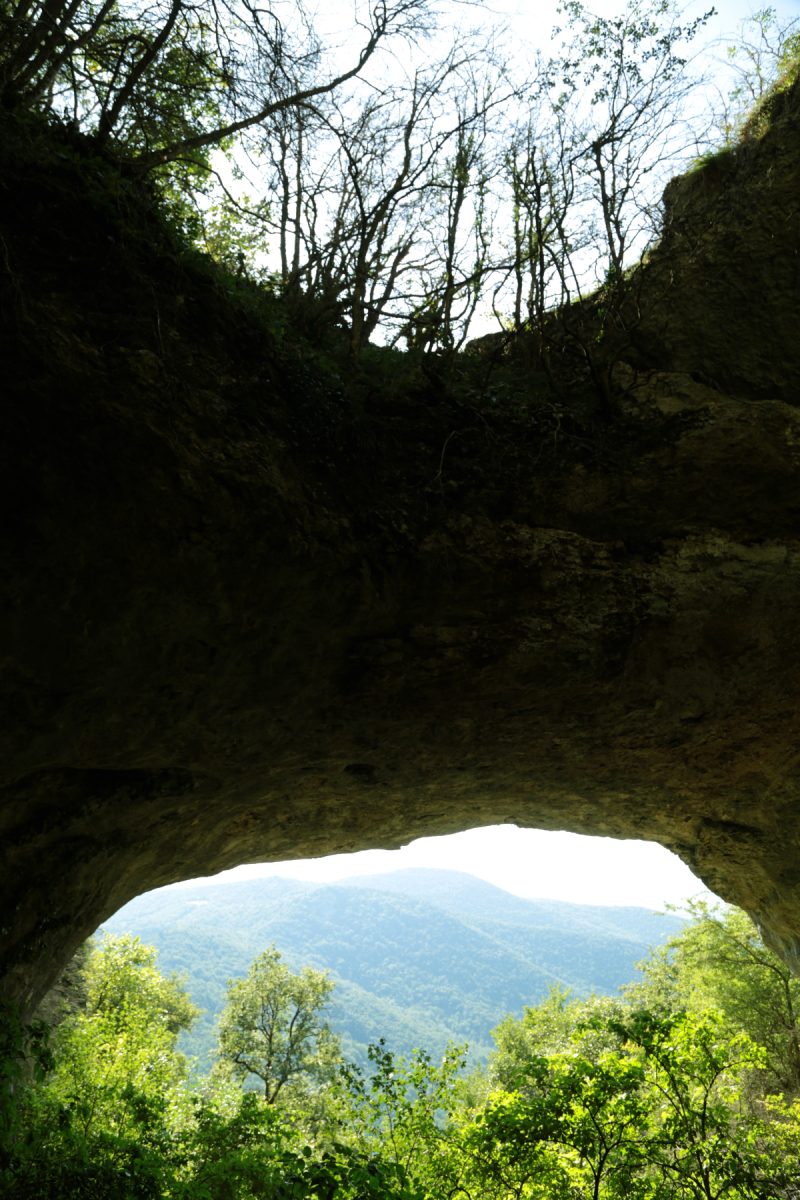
(251, 612)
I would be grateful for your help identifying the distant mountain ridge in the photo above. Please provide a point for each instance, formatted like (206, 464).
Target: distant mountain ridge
(419, 956)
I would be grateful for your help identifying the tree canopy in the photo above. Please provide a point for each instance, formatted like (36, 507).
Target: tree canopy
(668, 1093)
(272, 1027)
(399, 186)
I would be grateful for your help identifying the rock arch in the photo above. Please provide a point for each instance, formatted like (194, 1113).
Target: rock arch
(249, 615)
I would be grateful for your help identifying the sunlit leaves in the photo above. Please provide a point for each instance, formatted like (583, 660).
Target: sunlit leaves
(272, 1026)
(594, 1099)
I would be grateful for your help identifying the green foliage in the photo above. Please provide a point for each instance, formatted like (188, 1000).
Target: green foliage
(420, 959)
(205, 216)
(252, 1150)
(117, 1067)
(400, 209)
(102, 1121)
(576, 1125)
(124, 985)
(702, 1140)
(271, 1027)
(764, 61)
(400, 1109)
(550, 1028)
(720, 962)
(658, 1116)
(643, 1098)
(774, 102)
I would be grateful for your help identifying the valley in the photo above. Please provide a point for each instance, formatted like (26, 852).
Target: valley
(419, 957)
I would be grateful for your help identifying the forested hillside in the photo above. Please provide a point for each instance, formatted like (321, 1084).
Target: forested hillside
(686, 1087)
(419, 957)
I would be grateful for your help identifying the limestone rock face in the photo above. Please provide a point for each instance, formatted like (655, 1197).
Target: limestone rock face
(250, 613)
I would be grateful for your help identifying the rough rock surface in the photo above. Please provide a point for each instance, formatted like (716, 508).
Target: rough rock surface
(249, 614)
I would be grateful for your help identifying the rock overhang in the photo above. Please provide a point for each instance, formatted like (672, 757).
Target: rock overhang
(250, 616)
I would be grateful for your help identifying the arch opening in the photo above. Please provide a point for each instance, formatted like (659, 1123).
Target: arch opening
(271, 620)
(428, 945)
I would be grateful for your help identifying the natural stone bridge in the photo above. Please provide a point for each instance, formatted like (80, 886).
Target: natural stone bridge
(245, 617)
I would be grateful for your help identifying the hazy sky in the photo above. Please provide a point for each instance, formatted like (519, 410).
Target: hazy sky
(532, 21)
(529, 23)
(527, 862)
(537, 17)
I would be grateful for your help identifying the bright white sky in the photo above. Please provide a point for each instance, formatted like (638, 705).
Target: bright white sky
(532, 863)
(534, 19)
(529, 23)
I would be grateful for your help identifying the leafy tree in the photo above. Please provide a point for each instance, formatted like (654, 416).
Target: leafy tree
(394, 199)
(720, 962)
(379, 198)
(117, 1066)
(253, 1150)
(659, 1116)
(616, 99)
(104, 1121)
(576, 1128)
(170, 78)
(272, 1027)
(701, 1142)
(555, 1026)
(400, 1111)
(596, 1099)
(122, 981)
(764, 51)
(632, 69)
(539, 170)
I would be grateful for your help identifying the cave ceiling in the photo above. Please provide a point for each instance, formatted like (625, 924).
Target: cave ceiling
(251, 614)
